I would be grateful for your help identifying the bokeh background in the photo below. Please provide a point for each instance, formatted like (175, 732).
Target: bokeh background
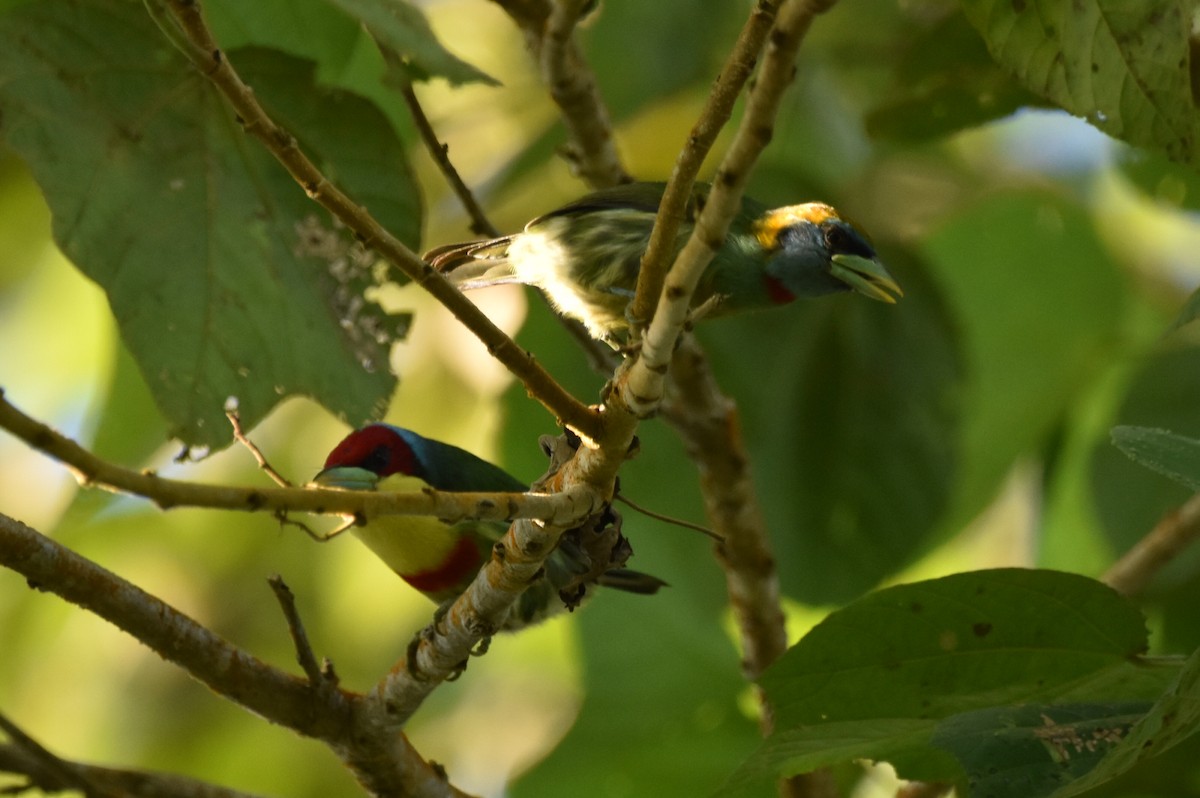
(1043, 263)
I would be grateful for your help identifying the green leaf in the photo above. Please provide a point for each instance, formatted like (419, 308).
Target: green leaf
(402, 28)
(1122, 65)
(1171, 455)
(224, 278)
(946, 81)
(1190, 311)
(880, 674)
(1129, 499)
(851, 412)
(1035, 295)
(1032, 750)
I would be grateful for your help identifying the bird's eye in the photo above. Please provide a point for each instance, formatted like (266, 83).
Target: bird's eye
(836, 239)
(378, 459)
(842, 240)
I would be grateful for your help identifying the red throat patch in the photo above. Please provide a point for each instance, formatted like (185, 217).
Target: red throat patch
(462, 563)
(777, 291)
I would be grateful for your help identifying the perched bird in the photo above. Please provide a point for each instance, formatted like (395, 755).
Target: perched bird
(441, 559)
(586, 255)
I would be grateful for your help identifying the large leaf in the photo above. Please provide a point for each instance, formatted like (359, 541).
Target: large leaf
(1037, 298)
(878, 678)
(225, 280)
(851, 411)
(1123, 65)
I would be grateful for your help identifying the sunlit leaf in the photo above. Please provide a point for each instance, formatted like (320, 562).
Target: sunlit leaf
(1120, 64)
(225, 279)
(877, 678)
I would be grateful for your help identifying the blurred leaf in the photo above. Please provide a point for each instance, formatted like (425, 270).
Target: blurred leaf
(1121, 65)
(1036, 296)
(1171, 455)
(1129, 499)
(1190, 311)
(1032, 750)
(945, 81)
(1160, 178)
(224, 278)
(875, 678)
(851, 411)
(401, 27)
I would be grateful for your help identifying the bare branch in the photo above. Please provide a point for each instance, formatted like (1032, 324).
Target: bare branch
(236, 422)
(203, 51)
(480, 225)
(105, 781)
(46, 768)
(549, 27)
(1160, 546)
(716, 113)
(317, 677)
(566, 509)
(383, 760)
(707, 420)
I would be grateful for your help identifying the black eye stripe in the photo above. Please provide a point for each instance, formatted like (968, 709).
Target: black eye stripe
(378, 459)
(841, 241)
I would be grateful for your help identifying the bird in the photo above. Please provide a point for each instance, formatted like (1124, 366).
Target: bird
(441, 559)
(585, 257)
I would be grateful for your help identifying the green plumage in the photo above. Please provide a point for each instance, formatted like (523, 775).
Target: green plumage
(586, 257)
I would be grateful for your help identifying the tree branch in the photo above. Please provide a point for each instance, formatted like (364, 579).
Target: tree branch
(1175, 532)
(566, 509)
(716, 113)
(549, 27)
(707, 420)
(382, 759)
(48, 773)
(203, 51)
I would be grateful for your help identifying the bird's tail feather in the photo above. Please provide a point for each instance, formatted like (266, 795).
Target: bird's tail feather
(631, 581)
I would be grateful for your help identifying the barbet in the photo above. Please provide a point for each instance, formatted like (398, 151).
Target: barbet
(586, 256)
(441, 559)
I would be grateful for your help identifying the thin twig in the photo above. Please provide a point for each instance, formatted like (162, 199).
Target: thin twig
(565, 509)
(1170, 536)
(236, 422)
(440, 152)
(667, 519)
(212, 62)
(64, 774)
(304, 652)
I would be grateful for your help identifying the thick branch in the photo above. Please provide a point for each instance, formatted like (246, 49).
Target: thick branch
(1160, 546)
(716, 113)
(549, 27)
(202, 50)
(564, 508)
(50, 774)
(384, 761)
(707, 420)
